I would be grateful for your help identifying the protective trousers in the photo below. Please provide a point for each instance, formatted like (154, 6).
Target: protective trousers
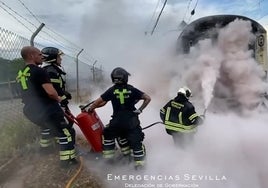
(124, 145)
(128, 125)
(70, 123)
(51, 120)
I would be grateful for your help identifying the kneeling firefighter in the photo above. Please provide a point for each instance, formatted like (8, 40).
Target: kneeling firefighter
(125, 121)
(52, 64)
(180, 118)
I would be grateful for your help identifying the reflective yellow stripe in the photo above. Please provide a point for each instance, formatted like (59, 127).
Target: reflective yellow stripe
(180, 118)
(177, 126)
(139, 163)
(67, 133)
(57, 140)
(45, 142)
(22, 77)
(176, 105)
(57, 81)
(125, 150)
(180, 130)
(121, 95)
(67, 152)
(193, 116)
(63, 97)
(65, 155)
(108, 154)
(167, 113)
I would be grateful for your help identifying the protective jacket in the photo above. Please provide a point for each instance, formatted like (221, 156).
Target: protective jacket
(44, 111)
(56, 75)
(179, 115)
(124, 123)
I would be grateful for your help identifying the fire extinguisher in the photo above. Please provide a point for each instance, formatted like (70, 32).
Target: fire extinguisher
(90, 125)
(92, 128)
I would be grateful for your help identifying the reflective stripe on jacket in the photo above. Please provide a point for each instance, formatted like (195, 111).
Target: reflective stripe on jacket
(176, 120)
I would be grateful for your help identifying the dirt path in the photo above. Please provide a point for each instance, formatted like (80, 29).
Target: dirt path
(35, 170)
(17, 179)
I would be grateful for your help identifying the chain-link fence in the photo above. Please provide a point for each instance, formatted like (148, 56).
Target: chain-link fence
(16, 130)
(80, 83)
(10, 46)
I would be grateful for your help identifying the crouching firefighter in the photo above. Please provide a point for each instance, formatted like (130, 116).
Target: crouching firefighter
(41, 106)
(125, 121)
(180, 118)
(52, 64)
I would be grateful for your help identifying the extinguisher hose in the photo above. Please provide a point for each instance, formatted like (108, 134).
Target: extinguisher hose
(158, 122)
(83, 107)
(71, 118)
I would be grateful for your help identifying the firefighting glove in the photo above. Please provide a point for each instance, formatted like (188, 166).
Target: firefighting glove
(68, 95)
(137, 111)
(89, 110)
(64, 103)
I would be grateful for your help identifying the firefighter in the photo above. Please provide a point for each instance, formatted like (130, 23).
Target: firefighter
(180, 118)
(41, 105)
(52, 64)
(125, 121)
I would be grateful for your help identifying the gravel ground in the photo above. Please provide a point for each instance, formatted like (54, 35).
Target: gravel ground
(41, 171)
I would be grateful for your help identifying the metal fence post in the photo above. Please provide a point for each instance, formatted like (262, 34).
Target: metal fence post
(93, 71)
(35, 33)
(77, 76)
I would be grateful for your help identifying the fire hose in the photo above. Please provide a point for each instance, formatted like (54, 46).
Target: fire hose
(69, 184)
(72, 118)
(74, 177)
(83, 107)
(158, 122)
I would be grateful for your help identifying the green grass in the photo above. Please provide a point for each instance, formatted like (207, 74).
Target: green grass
(17, 136)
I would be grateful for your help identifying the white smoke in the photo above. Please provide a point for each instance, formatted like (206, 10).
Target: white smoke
(243, 73)
(227, 147)
(210, 67)
(226, 70)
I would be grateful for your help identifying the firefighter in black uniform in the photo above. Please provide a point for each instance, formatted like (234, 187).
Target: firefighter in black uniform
(52, 64)
(41, 105)
(125, 121)
(180, 118)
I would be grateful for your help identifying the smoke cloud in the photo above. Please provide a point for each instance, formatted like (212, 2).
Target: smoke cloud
(227, 71)
(229, 149)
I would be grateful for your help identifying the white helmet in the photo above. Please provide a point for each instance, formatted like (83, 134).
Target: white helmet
(185, 91)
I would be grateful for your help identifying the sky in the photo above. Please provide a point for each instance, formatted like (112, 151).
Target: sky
(95, 25)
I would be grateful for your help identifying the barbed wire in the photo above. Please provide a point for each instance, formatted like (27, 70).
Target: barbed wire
(30, 11)
(15, 17)
(72, 47)
(51, 30)
(32, 24)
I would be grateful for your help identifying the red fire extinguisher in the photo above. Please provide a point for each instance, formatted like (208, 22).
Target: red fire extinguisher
(92, 128)
(90, 125)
